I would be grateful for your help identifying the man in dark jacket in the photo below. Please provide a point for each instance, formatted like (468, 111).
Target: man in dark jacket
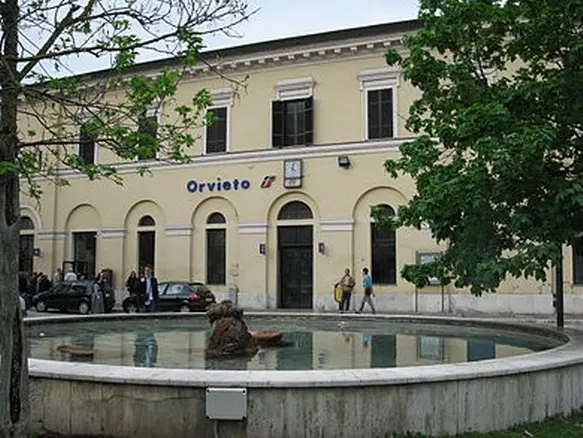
(149, 289)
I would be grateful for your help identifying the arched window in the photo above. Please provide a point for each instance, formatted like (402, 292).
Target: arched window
(146, 221)
(383, 249)
(216, 218)
(25, 258)
(146, 242)
(295, 210)
(26, 223)
(216, 249)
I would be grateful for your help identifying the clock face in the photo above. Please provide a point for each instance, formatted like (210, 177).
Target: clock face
(293, 169)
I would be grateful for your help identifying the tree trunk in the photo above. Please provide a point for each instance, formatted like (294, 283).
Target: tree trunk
(14, 403)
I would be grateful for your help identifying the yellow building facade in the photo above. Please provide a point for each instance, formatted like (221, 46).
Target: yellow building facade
(276, 201)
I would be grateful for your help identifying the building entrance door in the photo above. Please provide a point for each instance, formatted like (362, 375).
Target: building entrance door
(296, 253)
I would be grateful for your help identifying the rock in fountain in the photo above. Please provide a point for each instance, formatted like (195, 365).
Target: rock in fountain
(230, 336)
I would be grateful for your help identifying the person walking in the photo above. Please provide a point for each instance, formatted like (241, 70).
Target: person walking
(347, 283)
(368, 292)
(149, 289)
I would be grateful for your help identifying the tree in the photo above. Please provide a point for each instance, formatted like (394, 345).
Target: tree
(497, 163)
(38, 41)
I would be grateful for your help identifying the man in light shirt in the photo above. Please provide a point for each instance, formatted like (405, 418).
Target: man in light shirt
(71, 276)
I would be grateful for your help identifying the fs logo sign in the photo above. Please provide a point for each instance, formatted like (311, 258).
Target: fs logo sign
(267, 181)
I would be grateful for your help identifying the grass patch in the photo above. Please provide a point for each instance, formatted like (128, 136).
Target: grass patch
(555, 427)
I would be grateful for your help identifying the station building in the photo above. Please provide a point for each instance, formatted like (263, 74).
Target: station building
(276, 201)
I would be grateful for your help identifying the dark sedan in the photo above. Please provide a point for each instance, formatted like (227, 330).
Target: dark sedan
(71, 296)
(182, 296)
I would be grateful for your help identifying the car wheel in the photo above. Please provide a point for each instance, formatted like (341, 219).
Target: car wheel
(131, 308)
(83, 308)
(40, 306)
(185, 308)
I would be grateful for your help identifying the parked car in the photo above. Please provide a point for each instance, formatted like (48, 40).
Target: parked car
(71, 296)
(181, 296)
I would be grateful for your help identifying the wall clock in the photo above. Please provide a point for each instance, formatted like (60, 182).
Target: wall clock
(292, 173)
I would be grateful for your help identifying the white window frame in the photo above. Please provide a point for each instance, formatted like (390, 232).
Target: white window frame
(220, 98)
(293, 89)
(379, 79)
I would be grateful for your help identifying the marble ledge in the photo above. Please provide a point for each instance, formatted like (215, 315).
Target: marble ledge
(569, 354)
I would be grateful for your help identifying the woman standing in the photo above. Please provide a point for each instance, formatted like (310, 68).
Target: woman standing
(97, 299)
(133, 283)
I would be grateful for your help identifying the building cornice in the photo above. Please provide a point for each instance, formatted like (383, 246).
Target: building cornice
(336, 42)
(321, 53)
(258, 156)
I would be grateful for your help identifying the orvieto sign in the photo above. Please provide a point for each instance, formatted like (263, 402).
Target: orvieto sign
(218, 185)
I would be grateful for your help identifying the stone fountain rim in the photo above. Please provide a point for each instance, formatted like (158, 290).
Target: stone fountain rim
(568, 354)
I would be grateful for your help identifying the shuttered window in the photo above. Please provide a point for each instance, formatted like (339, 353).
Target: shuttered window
(216, 132)
(380, 113)
(148, 132)
(86, 145)
(292, 122)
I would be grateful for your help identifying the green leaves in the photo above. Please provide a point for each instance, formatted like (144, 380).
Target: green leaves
(497, 162)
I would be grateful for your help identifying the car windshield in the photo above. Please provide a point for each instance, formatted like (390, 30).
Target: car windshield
(174, 289)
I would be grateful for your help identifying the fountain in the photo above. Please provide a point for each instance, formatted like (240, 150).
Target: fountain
(339, 375)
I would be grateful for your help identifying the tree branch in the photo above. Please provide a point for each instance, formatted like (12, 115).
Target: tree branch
(67, 21)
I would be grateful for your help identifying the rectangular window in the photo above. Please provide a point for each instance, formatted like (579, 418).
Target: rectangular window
(216, 132)
(578, 261)
(148, 132)
(84, 246)
(87, 145)
(380, 113)
(292, 122)
(25, 262)
(146, 249)
(216, 256)
(384, 257)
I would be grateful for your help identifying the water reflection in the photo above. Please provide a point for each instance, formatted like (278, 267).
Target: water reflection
(146, 349)
(326, 347)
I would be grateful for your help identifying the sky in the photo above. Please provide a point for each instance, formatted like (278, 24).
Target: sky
(276, 19)
(285, 18)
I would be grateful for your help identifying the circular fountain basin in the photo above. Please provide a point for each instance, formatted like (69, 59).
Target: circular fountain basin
(340, 376)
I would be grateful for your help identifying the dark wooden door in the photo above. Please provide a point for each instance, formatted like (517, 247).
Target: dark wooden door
(295, 267)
